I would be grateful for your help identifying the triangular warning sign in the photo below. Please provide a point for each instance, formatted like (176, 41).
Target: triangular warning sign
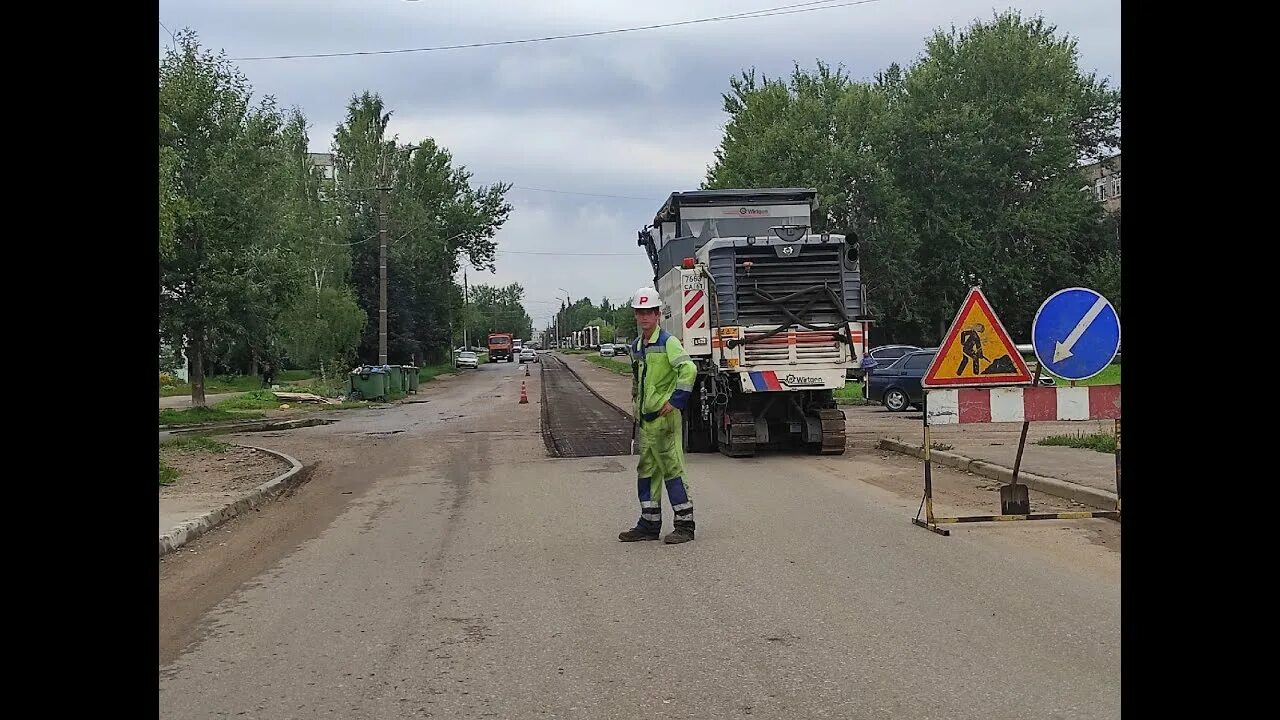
(977, 351)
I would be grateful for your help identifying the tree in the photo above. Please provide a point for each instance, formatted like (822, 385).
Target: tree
(220, 259)
(498, 309)
(434, 216)
(961, 170)
(825, 131)
(607, 332)
(624, 322)
(321, 328)
(994, 123)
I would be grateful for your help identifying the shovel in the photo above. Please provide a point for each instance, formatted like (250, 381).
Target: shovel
(633, 437)
(1013, 497)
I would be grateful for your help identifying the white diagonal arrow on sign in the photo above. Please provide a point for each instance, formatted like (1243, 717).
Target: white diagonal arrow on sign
(1062, 350)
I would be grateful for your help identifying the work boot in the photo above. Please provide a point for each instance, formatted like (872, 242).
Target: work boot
(679, 535)
(638, 533)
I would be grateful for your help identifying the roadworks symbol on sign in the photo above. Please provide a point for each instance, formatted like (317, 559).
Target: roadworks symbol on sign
(977, 352)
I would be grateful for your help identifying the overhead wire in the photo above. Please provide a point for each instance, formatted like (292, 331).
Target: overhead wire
(792, 9)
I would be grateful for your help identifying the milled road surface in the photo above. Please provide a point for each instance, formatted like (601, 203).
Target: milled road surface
(575, 421)
(468, 576)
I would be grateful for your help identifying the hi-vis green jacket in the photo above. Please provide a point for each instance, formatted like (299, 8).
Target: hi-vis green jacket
(661, 372)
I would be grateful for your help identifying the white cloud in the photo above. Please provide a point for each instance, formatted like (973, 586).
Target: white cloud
(635, 114)
(588, 227)
(597, 149)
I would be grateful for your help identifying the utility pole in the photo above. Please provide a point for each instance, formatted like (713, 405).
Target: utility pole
(465, 300)
(384, 190)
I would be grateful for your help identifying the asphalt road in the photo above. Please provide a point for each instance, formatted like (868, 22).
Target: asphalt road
(437, 564)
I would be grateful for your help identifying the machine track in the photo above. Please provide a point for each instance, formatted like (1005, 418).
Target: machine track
(833, 432)
(576, 420)
(742, 435)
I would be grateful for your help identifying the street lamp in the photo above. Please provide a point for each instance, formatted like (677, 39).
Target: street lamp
(568, 303)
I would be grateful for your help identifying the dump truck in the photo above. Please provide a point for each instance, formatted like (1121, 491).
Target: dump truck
(500, 347)
(770, 311)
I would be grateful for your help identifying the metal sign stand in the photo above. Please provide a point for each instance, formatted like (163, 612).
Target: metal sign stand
(1075, 334)
(932, 522)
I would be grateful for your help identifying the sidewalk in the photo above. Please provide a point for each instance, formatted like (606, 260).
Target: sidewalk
(995, 443)
(184, 401)
(217, 488)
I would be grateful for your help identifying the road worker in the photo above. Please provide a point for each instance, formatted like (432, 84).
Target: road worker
(662, 376)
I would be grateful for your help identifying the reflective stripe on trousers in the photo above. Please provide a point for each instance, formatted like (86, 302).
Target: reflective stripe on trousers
(662, 463)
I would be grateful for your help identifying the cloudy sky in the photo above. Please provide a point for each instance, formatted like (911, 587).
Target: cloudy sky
(594, 132)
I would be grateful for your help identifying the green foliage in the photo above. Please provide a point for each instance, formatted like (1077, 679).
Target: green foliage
(256, 400)
(434, 217)
(961, 169)
(430, 372)
(497, 309)
(195, 443)
(1099, 442)
(266, 261)
(168, 475)
(225, 265)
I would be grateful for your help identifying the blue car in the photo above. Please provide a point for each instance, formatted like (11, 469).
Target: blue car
(897, 385)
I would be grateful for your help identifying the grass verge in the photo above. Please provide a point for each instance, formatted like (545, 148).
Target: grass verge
(1100, 442)
(168, 475)
(194, 443)
(255, 400)
(430, 372)
(1109, 376)
(621, 367)
(851, 393)
(171, 387)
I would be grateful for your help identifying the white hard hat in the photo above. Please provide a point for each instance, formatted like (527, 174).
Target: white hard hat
(646, 298)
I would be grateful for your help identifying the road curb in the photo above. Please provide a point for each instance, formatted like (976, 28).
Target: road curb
(249, 426)
(191, 529)
(1093, 497)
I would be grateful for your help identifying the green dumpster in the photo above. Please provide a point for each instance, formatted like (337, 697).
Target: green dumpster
(414, 379)
(368, 383)
(395, 378)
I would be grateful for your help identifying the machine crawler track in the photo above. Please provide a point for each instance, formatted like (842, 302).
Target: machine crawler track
(741, 435)
(833, 433)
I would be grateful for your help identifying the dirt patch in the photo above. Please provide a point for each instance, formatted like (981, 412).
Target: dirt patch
(205, 472)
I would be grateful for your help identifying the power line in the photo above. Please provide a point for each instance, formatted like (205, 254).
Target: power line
(564, 254)
(792, 9)
(172, 39)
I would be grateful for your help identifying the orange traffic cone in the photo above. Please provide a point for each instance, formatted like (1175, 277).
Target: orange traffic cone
(526, 371)
(524, 394)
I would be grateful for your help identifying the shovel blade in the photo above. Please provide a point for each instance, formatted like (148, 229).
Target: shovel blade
(1014, 500)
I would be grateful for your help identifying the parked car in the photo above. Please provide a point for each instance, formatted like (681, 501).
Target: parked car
(882, 356)
(606, 350)
(528, 354)
(897, 385)
(467, 359)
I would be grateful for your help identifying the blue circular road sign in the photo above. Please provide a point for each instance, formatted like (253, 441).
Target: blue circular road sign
(1076, 333)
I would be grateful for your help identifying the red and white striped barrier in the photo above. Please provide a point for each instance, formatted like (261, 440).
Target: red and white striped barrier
(1022, 404)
